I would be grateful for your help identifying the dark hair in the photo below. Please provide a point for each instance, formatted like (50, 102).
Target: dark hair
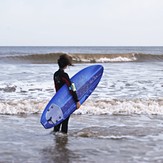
(64, 60)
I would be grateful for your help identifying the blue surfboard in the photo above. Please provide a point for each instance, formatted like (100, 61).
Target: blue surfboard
(62, 103)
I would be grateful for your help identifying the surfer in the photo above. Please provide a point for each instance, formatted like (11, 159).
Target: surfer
(60, 78)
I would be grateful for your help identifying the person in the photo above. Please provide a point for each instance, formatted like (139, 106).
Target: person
(60, 78)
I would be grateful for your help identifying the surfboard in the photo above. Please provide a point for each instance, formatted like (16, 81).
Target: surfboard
(62, 103)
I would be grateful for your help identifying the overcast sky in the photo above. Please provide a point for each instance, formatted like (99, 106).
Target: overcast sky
(81, 22)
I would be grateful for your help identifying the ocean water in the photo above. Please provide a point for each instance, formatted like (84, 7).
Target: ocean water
(121, 121)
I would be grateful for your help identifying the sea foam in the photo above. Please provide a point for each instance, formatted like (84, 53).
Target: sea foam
(92, 107)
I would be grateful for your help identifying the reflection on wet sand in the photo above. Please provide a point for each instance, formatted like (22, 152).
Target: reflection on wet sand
(57, 152)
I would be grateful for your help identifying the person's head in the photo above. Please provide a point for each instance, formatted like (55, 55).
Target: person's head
(64, 61)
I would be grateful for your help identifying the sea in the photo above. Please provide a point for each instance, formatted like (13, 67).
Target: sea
(121, 122)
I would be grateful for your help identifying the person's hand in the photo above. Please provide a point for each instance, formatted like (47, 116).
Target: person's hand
(78, 105)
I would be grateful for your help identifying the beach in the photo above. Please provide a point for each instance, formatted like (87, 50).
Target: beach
(120, 122)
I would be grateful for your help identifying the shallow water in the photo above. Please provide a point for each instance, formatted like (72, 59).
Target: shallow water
(120, 122)
(90, 139)
(127, 87)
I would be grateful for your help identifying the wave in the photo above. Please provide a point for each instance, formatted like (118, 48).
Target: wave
(82, 58)
(91, 107)
(9, 88)
(116, 132)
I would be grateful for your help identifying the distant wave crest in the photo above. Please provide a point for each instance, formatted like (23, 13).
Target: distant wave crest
(82, 58)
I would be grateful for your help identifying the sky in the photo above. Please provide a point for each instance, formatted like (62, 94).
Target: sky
(81, 22)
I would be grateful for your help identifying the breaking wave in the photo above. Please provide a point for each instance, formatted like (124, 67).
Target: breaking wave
(81, 58)
(92, 107)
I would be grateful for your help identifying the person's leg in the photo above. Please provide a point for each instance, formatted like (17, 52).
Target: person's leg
(57, 128)
(65, 126)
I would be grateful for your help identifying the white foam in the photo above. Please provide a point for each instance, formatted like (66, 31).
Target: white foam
(126, 107)
(22, 107)
(91, 106)
(116, 59)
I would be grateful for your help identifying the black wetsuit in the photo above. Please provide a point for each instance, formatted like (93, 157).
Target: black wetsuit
(60, 78)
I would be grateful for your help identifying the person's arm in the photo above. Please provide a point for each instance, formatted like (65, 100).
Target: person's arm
(56, 87)
(72, 89)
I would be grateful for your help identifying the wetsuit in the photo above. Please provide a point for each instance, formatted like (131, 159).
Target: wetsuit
(60, 78)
